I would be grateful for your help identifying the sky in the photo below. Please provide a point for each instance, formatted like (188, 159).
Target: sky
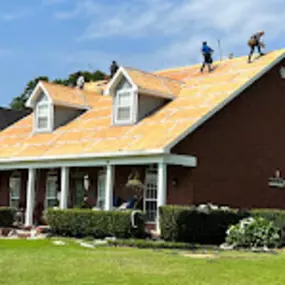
(57, 37)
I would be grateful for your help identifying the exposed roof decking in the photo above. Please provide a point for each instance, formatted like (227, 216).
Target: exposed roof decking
(92, 132)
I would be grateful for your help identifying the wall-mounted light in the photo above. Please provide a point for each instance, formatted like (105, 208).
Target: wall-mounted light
(174, 182)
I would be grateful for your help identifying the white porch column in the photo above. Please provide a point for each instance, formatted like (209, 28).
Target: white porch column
(110, 171)
(161, 189)
(64, 187)
(30, 197)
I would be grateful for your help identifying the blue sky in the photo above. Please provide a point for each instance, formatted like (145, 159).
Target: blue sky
(57, 37)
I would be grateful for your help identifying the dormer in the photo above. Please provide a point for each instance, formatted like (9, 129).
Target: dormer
(55, 105)
(136, 94)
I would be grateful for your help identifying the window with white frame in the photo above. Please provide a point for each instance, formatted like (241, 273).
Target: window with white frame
(43, 114)
(15, 190)
(51, 190)
(150, 194)
(124, 107)
(101, 188)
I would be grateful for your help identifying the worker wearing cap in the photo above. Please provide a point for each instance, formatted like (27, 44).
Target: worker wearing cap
(207, 54)
(254, 42)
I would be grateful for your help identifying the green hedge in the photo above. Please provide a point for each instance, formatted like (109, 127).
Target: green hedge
(98, 224)
(190, 224)
(6, 216)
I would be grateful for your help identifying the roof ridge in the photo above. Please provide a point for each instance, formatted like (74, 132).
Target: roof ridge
(181, 68)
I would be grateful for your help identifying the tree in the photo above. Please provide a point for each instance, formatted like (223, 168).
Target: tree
(18, 103)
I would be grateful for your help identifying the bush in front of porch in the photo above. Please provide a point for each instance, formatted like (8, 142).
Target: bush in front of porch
(98, 224)
(203, 225)
(6, 216)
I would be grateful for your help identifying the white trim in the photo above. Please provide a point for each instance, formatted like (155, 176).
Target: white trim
(41, 163)
(107, 155)
(224, 103)
(35, 94)
(116, 79)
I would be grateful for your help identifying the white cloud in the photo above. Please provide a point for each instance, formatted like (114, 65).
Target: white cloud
(180, 24)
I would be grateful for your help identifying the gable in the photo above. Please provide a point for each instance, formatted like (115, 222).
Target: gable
(250, 125)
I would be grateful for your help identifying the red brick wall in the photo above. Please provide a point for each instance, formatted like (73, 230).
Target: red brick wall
(238, 149)
(4, 188)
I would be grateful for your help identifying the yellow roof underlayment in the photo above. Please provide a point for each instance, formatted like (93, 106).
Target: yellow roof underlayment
(93, 133)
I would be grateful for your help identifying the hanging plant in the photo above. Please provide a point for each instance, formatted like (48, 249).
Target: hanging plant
(134, 181)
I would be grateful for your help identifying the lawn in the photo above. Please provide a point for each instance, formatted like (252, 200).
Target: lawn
(43, 263)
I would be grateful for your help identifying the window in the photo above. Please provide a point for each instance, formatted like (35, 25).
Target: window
(124, 106)
(15, 189)
(150, 195)
(43, 114)
(51, 190)
(101, 189)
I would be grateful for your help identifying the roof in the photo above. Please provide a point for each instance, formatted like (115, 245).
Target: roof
(62, 95)
(93, 134)
(154, 83)
(9, 116)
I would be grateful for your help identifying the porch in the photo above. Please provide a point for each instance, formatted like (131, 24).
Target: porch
(92, 184)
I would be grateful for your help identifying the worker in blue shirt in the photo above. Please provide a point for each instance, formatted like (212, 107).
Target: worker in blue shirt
(207, 54)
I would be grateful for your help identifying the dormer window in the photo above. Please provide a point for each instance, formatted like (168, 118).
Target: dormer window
(137, 94)
(55, 105)
(124, 106)
(43, 115)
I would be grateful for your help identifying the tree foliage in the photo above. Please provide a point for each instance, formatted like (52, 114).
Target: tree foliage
(18, 103)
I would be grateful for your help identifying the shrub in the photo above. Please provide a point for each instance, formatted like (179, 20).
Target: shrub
(205, 224)
(98, 224)
(6, 216)
(276, 216)
(253, 233)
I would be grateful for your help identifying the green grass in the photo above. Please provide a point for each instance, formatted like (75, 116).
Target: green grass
(42, 263)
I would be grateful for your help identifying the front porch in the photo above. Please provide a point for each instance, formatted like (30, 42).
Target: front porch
(97, 184)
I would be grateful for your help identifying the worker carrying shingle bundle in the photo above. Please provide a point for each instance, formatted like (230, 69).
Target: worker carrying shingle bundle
(254, 42)
(207, 54)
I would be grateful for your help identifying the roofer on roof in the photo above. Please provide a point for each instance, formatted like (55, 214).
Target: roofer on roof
(113, 68)
(254, 42)
(207, 54)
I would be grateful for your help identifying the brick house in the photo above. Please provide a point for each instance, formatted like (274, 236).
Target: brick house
(192, 137)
